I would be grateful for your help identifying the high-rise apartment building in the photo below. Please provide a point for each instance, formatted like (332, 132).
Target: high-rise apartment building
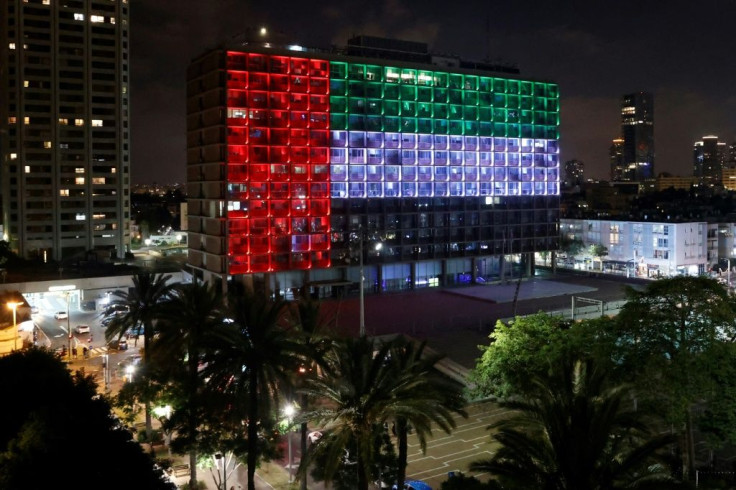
(709, 160)
(574, 173)
(616, 159)
(302, 162)
(64, 133)
(637, 131)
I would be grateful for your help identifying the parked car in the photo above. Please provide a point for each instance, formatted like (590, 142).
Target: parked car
(61, 315)
(81, 329)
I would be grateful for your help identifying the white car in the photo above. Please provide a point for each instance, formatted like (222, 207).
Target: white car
(81, 329)
(61, 315)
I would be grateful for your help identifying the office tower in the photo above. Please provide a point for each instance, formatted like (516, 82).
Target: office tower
(574, 173)
(64, 127)
(307, 160)
(637, 130)
(616, 159)
(709, 159)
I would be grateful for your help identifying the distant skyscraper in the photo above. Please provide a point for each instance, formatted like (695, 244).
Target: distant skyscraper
(616, 157)
(64, 130)
(732, 154)
(637, 129)
(574, 170)
(709, 159)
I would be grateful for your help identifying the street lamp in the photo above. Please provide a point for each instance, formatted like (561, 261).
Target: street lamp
(378, 246)
(13, 305)
(289, 411)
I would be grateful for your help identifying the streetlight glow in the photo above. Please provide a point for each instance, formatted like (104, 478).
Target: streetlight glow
(13, 305)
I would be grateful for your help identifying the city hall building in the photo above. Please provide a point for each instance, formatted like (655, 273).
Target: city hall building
(304, 166)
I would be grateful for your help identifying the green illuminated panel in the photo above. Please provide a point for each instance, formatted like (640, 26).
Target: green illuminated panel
(394, 99)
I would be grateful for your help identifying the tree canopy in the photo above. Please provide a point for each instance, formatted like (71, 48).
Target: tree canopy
(55, 422)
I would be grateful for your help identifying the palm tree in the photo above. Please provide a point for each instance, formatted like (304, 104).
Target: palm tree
(142, 303)
(571, 431)
(358, 388)
(313, 328)
(188, 318)
(256, 357)
(422, 396)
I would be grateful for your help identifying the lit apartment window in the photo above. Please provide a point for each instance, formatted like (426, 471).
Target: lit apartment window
(47, 144)
(81, 217)
(46, 2)
(97, 123)
(112, 20)
(98, 180)
(79, 122)
(13, 156)
(27, 169)
(79, 180)
(26, 120)
(125, 89)
(12, 119)
(25, 83)
(78, 16)
(98, 216)
(113, 170)
(63, 121)
(11, 45)
(64, 192)
(96, 18)
(79, 170)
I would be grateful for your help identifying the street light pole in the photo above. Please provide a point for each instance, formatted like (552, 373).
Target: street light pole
(362, 289)
(728, 277)
(289, 411)
(68, 328)
(13, 305)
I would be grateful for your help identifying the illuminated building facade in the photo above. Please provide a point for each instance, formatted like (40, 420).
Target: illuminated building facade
(637, 130)
(303, 160)
(64, 133)
(709, 160)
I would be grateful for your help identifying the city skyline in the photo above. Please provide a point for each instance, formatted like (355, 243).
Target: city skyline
(595, 54)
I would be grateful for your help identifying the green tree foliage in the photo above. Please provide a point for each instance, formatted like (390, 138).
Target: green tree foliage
(367, 383)
(142, 302)
(570, 430)
(357, 388)
(345, 476)
(462, 481)
(57, 431)
(188, 316)
(423, 397)
(317, 338)
(254, 360)
(527, 345)
(668, 334)
(571, 247)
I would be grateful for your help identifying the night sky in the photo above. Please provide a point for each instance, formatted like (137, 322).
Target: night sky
(681, 51)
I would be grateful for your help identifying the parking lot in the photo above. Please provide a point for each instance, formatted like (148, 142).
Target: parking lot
(446, 453)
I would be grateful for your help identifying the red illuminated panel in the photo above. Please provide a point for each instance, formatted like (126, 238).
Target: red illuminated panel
(278, 163)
